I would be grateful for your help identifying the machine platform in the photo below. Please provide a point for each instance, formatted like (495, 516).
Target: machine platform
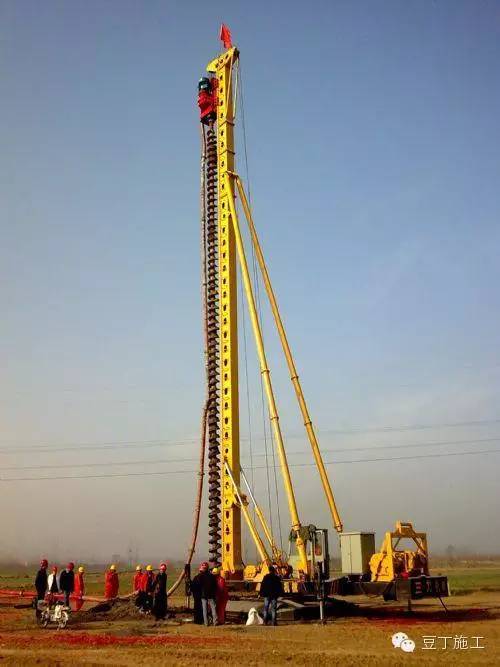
(413, 588)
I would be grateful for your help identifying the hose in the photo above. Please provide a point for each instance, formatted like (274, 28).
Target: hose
(208, 399)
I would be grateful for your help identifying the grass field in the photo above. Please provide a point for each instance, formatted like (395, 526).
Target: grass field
(463, 578)
(467, 580)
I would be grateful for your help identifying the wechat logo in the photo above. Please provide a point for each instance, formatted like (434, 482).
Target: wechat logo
(402, 641)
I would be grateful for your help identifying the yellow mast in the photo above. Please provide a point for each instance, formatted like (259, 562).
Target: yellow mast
(228, 320)
(231, 249)
(251, 526)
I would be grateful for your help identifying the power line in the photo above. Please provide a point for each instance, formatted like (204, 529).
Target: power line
(292, 465)
(77, 447)
(97, 465)
(413, 427)
(446, 443)
(255, 454)
(133, 444)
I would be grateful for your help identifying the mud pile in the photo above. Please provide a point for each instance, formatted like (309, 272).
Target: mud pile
(112, 610)
(126, 610)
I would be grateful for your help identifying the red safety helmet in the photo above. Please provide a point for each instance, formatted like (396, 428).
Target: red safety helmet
(44, 562)
(163, 566)
(71, 566)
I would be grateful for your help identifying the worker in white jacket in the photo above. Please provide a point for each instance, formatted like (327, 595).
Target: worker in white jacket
(53, 581)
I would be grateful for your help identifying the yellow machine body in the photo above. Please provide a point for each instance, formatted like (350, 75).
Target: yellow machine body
(392, 563)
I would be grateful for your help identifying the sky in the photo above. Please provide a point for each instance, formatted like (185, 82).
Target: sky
(374, 167)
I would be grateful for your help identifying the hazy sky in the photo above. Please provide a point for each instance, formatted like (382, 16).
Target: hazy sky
(373, 146)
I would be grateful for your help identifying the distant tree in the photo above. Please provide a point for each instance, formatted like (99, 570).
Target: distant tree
(451, 554)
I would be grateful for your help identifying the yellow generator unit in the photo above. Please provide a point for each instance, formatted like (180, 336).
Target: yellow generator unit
(399, 571)
(391, 563)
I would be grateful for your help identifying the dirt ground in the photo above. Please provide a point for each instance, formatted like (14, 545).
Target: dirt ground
(365, 638)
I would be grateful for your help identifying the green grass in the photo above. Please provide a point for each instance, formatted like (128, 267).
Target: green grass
(469, 579)
(94, 581)
(462, 579)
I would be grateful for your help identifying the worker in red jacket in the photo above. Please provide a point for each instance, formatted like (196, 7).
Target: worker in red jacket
(147, 588)
(139, 586)
(137, 581)
(79, 588)
(221, 596)
(111, 583)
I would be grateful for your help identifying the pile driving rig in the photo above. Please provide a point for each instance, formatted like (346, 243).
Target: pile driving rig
(223, 251)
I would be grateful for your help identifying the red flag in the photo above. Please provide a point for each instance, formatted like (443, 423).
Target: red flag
(225, 36)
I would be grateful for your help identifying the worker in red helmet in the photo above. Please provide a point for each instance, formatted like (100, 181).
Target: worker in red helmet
(41, 579)
(160, 594)
(67, 582)
(111, 583)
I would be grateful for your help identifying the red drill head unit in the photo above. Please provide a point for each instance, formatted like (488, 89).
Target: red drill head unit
(207, 99)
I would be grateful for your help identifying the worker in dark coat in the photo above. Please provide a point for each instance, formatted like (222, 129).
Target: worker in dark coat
(271, 589)
(41, 580)
(160, 593)
(196, 593)
(208, 584)
(67, 582)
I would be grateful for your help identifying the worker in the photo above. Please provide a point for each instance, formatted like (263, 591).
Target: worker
(160, 593)
(208, 592)
(137, 585)
(221, 595)
(111, 583)
(41, 583)
(271, 589)
(53, 582)
(79, 591)
(67, 582)
(196, 593)
(148, 585)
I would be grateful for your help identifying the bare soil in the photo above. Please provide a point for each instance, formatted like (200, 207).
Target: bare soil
(120, 636)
